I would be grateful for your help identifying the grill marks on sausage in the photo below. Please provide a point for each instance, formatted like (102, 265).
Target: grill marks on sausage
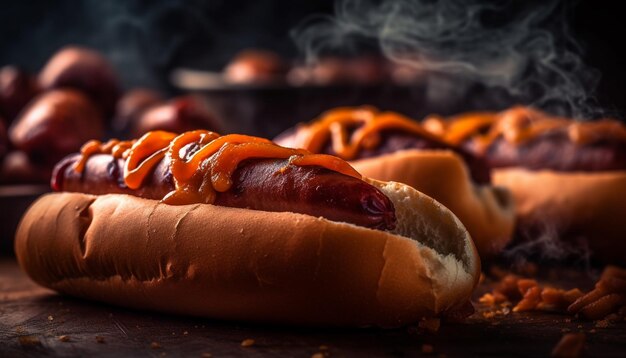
(318, 192)
(258, 184)
(394, 141)
(555, 151)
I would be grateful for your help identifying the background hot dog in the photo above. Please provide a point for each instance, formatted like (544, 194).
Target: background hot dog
(567, 176)
(394, 140)
(556, 152)
(528, 138)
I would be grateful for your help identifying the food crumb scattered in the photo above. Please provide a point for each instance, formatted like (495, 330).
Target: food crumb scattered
(430, 324)
(317, 355)
(613, 317)
(427, 348)
(603, 323)
(248, 342)
(570, 345)
(99, 339)
(185, 333)
(50, 318)
(29, 340)
(64, 338)
(155, 345)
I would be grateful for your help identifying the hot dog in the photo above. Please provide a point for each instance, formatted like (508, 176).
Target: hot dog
(236, 227)
(525, 137)
(389, 146)
(568, 176)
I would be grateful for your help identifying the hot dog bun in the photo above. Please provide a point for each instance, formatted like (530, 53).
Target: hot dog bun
(568, 177)
(487, 212)
(587, 205)
(241, 264)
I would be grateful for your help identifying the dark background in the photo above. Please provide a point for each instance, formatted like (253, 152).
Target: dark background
(146, 39)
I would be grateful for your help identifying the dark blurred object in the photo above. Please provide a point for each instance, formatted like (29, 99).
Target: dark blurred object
(17, 168)
(85, 70)
(14, 200)
(4, 139)
(359, 70)
(402, 74)
(269, 110)
(178, 115)
(254, 66)
(130, 107)
(55, 124)
(17, 88)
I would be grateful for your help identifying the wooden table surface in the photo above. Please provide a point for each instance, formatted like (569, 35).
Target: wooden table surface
(35, 321)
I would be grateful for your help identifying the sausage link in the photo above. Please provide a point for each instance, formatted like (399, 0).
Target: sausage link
(555, 152)
(269, 185)
(393, 141)
(104, 174)
(261, 185)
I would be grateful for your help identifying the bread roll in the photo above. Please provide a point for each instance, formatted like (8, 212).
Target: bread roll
(588, 205)
(240, 264)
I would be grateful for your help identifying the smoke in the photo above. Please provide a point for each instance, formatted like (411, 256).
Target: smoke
(523, 48)
(544, 243)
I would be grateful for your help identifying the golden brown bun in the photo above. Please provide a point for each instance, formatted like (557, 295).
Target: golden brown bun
(240, 264)
(486, 211)
(587, 205)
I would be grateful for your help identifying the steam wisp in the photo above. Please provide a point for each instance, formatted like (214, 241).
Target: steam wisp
(523, 48)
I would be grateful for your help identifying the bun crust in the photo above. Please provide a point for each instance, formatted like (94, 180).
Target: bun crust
(488, 212)
(240, 264)
(588, 205)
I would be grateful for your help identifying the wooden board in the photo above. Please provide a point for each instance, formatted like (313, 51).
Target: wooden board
(33, 318)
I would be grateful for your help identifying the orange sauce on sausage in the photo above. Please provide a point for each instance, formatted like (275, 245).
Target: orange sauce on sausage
(352, 129)
(519, 125)
(209, 170)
